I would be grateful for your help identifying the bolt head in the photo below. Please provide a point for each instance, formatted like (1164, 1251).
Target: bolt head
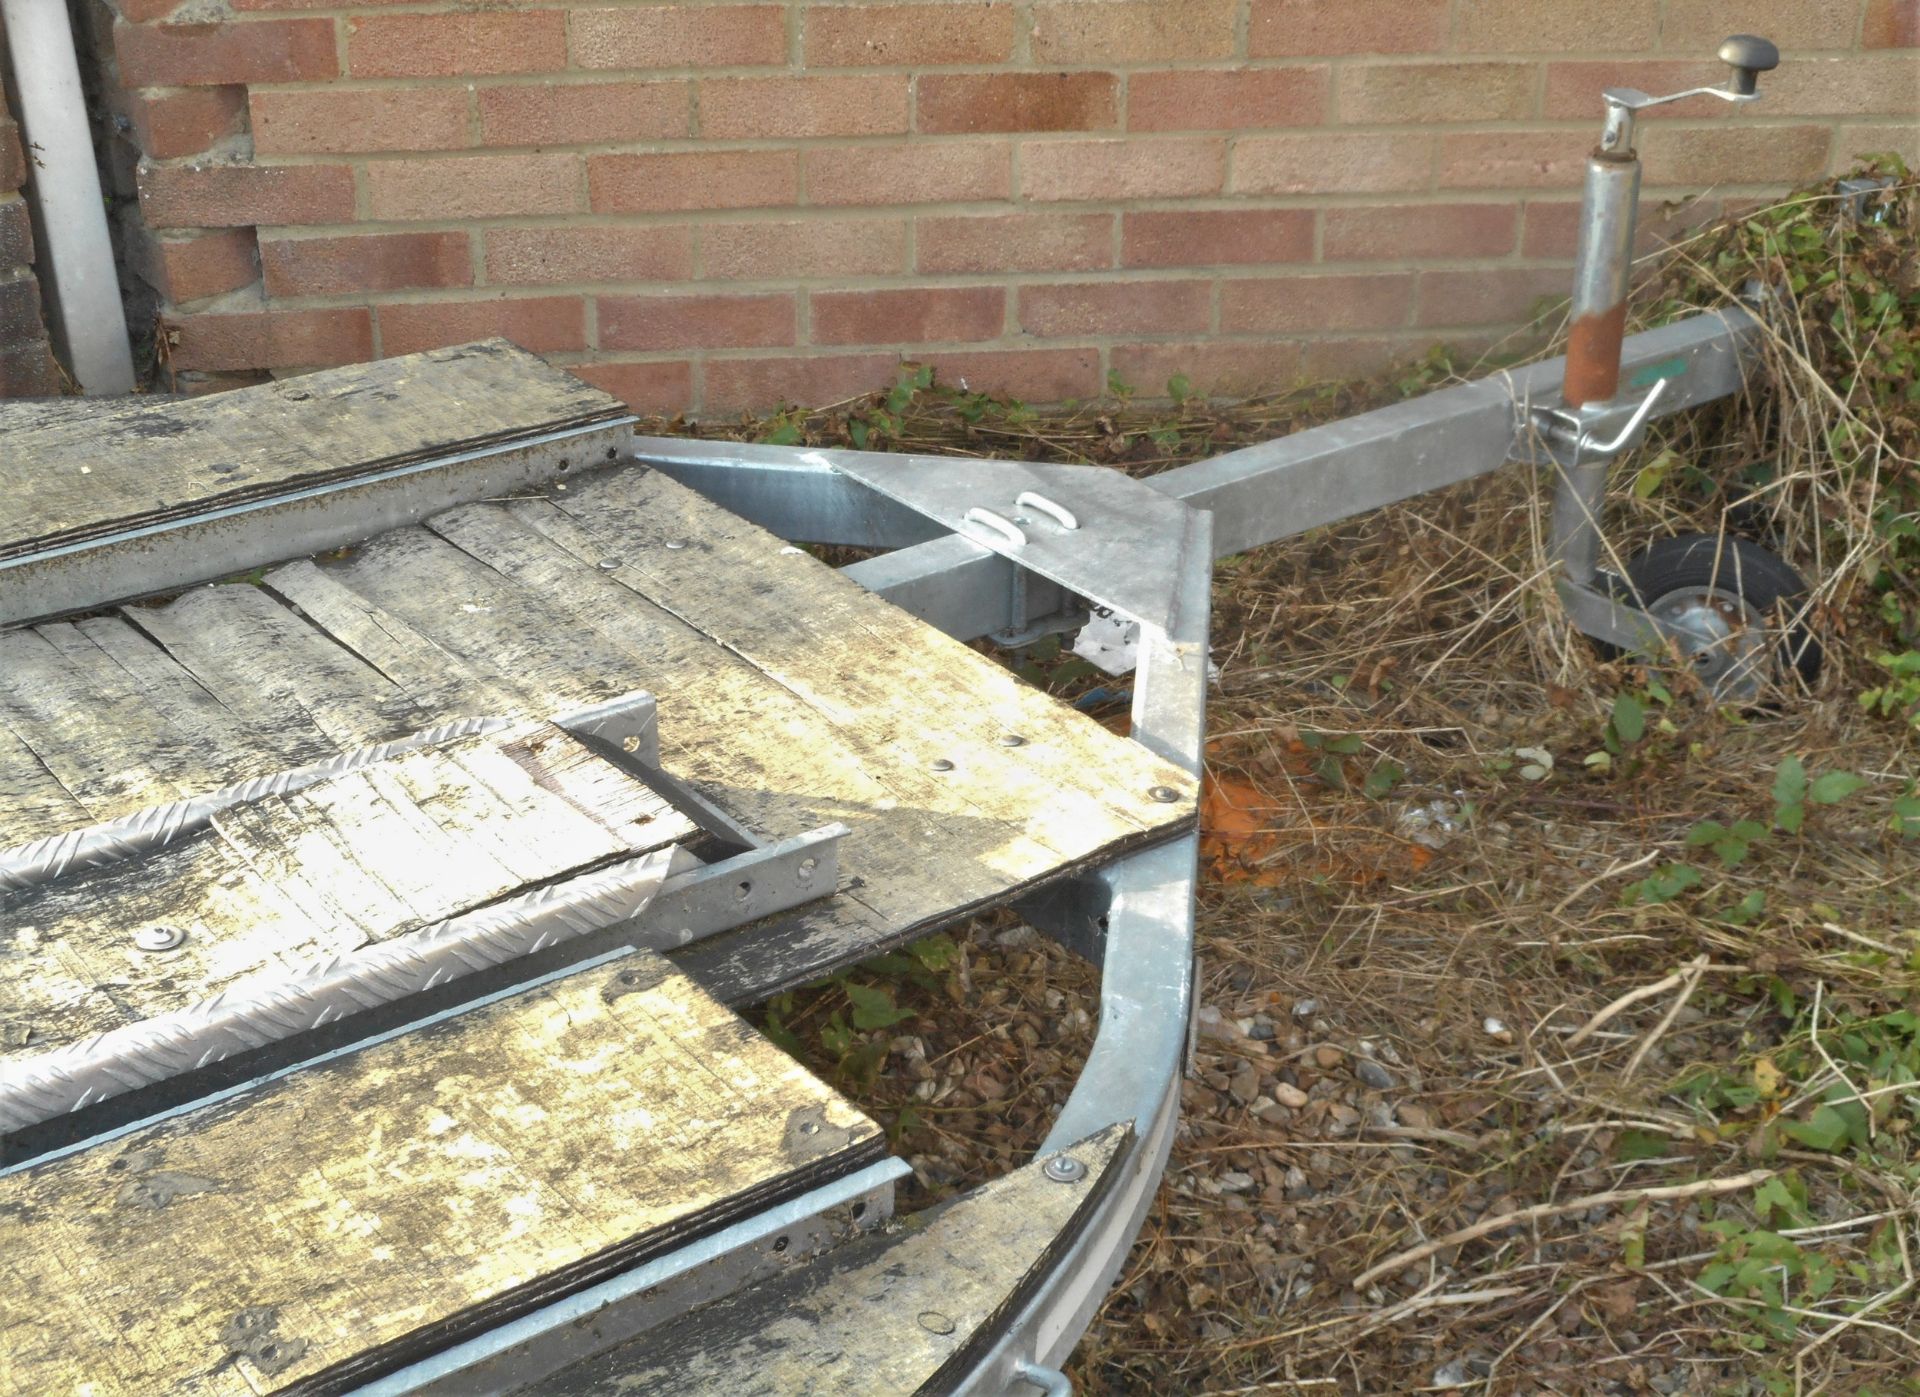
(1166, 795)
(158, 938)
(1064, 1169)
(1012, 739)
(609, 565)
(941, 764)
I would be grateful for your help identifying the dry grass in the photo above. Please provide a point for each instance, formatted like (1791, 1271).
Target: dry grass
(1578, 1110)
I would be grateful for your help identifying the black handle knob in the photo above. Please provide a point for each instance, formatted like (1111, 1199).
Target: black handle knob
(1749, 56)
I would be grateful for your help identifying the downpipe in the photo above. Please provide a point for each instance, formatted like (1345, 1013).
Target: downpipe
(90, 324)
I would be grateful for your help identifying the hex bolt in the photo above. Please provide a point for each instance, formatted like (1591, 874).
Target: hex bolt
(158, 938)
(1064, 1169)
(1166, 795)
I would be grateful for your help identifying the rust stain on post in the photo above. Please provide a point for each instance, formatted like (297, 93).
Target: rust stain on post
(1593, 356)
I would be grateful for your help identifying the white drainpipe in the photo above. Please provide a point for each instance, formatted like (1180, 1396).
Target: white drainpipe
(65, 187)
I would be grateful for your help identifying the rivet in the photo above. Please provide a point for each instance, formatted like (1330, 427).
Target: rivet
(158, 938)
(1064, 1169)
(609, 565)
(941, 764)
(1166, 795)
(935, 1323)
(1012, 739)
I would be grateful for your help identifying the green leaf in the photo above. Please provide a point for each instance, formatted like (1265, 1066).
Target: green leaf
(1825, 1130)
(1745, 910)
(1639, 1144)
(935, 953)
(1790, 782)
(1629, 718)
(1179, 388)
(1834, 787)
(874, 1008)
(1382, 779)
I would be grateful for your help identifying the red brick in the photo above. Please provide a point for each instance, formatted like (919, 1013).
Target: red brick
(1351, 357)
(1216, 100)
(194, 266)
(1302, 304)
(1032, 375)
(1491, 295)
(456, 45)
(1417, 93)
(1331, 163)
(535, 256)
(375, 262)
(29, 371)
(184, 121)
(20, 321)
(1555, 26)
(1213, 237)
(920, 173)
(698, 322)
(761, 383)
(908, 36)
(1332, 28)
(1872, 84)
(1551, 227)
(1515, 159)
(922, 315)
(1131, 307)
(287, 5)
(13, 156)
(146, 11)
(1891, 24)
(758, 108)
(1170, 167)
(680, 36)
(270, 339)
(1698, 26)
(1133, 31)
(1395, 232)
(350, 122)
(223, 196)
(1223, 367)
(481, 186)
(16, 232)
(649, 386)
(578, 113)
(203, 55)
(1751, 154)
(955, 102)
(1020, 242)
(542, 324)
(735, 179)
(821, 247)
(1851, 142)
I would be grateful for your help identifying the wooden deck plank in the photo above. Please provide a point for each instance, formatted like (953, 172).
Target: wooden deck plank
(894, 1313)
(69, 477)
(280, 882)
(254, 653)
(101, 742)
(853, 657)
(334, 1222)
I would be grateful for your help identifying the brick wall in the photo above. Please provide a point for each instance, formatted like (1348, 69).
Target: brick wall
(707, 206)
(27, 368)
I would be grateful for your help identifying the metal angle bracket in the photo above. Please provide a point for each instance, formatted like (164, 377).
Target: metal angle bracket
(1092, 529)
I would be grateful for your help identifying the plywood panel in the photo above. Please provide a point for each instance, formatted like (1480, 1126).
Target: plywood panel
(335, 1222)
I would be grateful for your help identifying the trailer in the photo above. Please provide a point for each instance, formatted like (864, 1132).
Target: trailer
(408, 773)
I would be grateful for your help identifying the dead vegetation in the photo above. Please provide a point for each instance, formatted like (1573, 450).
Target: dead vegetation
(1561, 1029)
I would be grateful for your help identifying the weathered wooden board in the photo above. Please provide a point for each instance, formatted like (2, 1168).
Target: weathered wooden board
(281, 882)
(338, 1221)
(787, 694)
(69, 477)
(892, 1313)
